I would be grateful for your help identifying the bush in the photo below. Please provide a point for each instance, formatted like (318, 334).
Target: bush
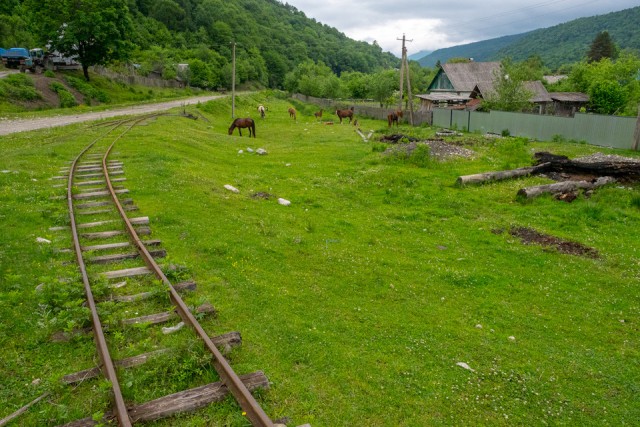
(87, 89)
(19, 87)
(66, 98)
(49, 73)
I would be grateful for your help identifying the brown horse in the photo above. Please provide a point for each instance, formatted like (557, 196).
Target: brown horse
(292, 113)
(243, 123)
(343, 114)
(318, 114)
(394, 117)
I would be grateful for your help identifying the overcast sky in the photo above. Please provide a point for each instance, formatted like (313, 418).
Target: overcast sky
(434, 25)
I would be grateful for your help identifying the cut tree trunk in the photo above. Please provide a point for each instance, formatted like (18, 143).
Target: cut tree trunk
(616, 168)
(501, 175)
(564, 187)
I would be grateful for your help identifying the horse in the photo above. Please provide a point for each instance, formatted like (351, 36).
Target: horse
(261, 110)
(292, 113)
(394, 117)
(343, 114)
(318, 114)
(243, 123)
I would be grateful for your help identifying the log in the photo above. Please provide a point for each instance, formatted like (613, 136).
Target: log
(599, 165)
(501, 175)
(564, 187)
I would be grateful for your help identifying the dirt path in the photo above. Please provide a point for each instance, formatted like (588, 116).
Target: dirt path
(22, 125)
(5, 73)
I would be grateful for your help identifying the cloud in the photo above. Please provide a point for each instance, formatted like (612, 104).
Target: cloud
(434, 25)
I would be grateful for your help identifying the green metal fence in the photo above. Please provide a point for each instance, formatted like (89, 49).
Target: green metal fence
(607, 131)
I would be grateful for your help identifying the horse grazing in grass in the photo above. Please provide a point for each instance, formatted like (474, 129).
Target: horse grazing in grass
(343, 114)
(243, 123)
(318, 114)
(394, 117)
(292, 113)
(261, 110)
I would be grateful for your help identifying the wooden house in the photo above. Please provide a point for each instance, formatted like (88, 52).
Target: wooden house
(454, 82)
(568, 103)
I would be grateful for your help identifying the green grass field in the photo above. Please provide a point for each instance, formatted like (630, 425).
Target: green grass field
(359, 299)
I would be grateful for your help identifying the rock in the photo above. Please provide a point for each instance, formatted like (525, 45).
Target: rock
(465, 366)
(283, 202)
(172, 329)
(261, 151)
(42, 240)
(479, 326)
(249, 150)
(512, 338)
(231, 188)
(240, 151)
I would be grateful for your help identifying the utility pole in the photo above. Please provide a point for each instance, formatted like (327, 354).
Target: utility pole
(404, 68)
(233, 81)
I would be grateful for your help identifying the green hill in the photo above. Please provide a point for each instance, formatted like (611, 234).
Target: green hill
(271, 39)
(561, 44)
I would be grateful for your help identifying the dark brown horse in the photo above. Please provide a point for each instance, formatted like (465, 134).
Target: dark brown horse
(318, 114)
(343, 114)
(243, 123)
(292, 113)
(394, 117)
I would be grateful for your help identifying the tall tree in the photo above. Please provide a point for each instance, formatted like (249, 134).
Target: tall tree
(602, 47)
(509, 92)
(94, 31)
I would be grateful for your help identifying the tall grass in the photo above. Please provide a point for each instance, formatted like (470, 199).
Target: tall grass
(359, 299)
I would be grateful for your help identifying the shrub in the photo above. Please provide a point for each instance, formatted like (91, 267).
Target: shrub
(49, 73)
(66, 98)
(87, 89)
(19, 87)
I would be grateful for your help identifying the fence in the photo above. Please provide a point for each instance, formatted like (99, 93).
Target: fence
(607, 131)
(362, 110)
(137, 80)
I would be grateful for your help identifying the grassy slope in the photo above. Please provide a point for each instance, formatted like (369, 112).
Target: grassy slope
(358, 299)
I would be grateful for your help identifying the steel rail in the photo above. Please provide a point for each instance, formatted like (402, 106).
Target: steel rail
(107, 366)
(243, 396)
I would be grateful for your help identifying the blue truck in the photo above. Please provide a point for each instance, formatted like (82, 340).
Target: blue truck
(17, 57)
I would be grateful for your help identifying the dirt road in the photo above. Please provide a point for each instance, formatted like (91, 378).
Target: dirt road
(22, 125)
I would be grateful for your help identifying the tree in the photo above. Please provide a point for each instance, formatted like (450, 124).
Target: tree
(509, 92)
(602, 47)
(607, 97)
(383, 84)
(94, 31)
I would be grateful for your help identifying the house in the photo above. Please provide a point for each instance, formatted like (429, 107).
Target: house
(568, 103)
(454, 82)
(539, 95)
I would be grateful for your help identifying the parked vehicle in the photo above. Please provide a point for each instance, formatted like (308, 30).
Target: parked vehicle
(18, 57)
(56, 61)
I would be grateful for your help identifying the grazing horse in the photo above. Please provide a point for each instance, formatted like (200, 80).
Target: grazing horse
(343, 114)
(243, 123)
(261, 110)
(292, 113)
(318, 114)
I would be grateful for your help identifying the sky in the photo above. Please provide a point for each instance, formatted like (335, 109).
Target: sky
(436, 25)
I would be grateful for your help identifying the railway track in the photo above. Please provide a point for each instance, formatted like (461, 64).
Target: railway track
(114, 258)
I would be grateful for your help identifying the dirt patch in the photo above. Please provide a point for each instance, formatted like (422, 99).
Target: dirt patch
(529, 236)
(49, 98)
(438, 148)
(262, 195)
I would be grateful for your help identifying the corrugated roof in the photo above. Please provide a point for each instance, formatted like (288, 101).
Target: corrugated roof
(438, 96)
(569, 96)
(464, 76)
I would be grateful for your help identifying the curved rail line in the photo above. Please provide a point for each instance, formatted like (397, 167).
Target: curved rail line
(247, 402)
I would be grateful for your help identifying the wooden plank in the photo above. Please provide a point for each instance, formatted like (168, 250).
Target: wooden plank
(96, 175)
(127, 272)
(184, 401)
(82, 196)
(98, 182)
(153, 319)
(99, 203)
(102, 211)
(142, 220)
(106, 234)
(105, 259)
(223, 342)
(118, 245)
(501, 175)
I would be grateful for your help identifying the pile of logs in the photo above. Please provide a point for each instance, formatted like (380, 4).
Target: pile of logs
(594, 173)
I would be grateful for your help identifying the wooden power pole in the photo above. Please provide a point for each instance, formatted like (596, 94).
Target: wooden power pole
(233, 82)
(404, 69)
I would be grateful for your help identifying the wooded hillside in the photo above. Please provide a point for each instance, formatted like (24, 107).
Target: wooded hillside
(272, 38)
(558, 45)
